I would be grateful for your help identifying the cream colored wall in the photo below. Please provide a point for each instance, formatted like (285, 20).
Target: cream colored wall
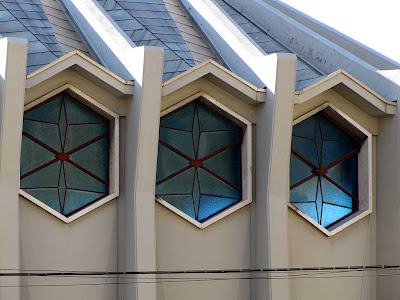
(223, 245)
(355, 245)
(87, 244)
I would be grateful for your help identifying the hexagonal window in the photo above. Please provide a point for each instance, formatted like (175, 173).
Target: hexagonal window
(65, 157)
(328, 153)
(199, 168)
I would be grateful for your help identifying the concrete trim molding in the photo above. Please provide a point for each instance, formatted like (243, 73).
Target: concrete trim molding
(81, 63)
(114, 151)
(377, 105)
(247, 180)
(365, 157)
(251, 93)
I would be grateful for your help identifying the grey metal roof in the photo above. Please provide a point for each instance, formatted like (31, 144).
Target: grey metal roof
(31, 19)
(149, 23)
(305, 75)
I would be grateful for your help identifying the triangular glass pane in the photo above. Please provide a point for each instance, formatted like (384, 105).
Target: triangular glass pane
(33, 155)
(211, 121)
(78, 199)
(227, 164)
(213, 141)
(94, 158)
(78, 179)
(305, 128)
(47, 112)
(196, 133)
(306, 148)
(334, 150)
(308, 209)
(168, 162)
(213, 186)
(182, 202)
(319, 143)
(47, 196)
(298, 170)
(334, 195)
(46, 133)
(62, 187)
(333, 213)
(318, 203)
(78, 114)
(345, 174)
(179, 184)
(196, 193)
(180, 119)
(211, 205)
(46, 177)
(330, 131)
(62, 124)
(181, 140)
(305, 192)
(77, 135)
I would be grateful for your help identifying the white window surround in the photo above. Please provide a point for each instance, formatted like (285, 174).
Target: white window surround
(246, 160)
(364, 174)
(114, 151)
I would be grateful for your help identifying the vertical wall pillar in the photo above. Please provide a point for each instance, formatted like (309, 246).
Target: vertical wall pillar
(273, 136)
(13, 56)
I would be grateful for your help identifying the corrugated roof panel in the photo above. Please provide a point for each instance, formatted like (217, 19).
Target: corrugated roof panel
(305, 74)
(149, 23)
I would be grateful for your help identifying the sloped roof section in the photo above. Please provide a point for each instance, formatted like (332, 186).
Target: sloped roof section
(305, 75)
(27, 19)
(67, 37)
(149, 23)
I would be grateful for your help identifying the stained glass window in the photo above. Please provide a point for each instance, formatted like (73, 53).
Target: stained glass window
(199, 161)
(65, 154)
(323, 170)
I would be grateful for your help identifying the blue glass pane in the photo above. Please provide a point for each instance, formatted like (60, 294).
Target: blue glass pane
(77, 135)
(94, 158)
(196, 193)
(181, 140)
(181, 119)
(46, 177)
(298, 170)
(334, 195)
(306, 128)
(213, 186)
(77, 114)
(78, 199)
(306, 148)
(33, 155)
(46, 133)
(211, 121)
(179, 184)
(168, 162)
(62, 187)
(319, 203)
(319, 144)
(227, 165)
(331, 131)
(345, 174)
(196, 133)
(307, 208)
(211, 205)
(336, 150)
(305, 192)
(77, 179)
(333, 213)
(184, 203)
(62, 124)
(47, 196)
(213, 141)
(48, 112)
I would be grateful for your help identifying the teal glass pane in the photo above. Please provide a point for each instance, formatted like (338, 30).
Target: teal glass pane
(202, 160)
(326, 145)
(182, 119)
(79, 158)
(46, 112)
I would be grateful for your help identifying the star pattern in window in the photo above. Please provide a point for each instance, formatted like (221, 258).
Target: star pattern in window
(199, 161)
